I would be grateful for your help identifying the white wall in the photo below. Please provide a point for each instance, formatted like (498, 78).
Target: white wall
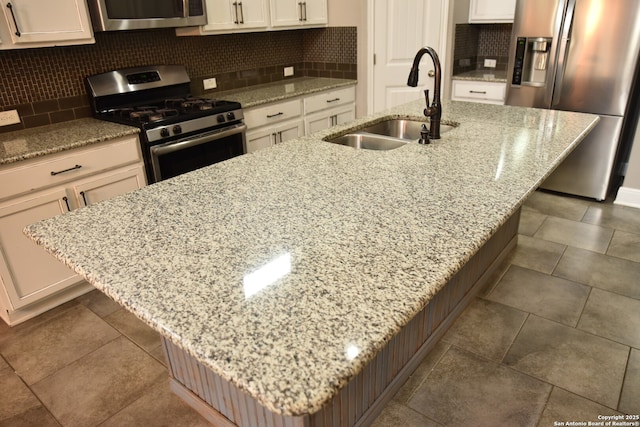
(629, 193)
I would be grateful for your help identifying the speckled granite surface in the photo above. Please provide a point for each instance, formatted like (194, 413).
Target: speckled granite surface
(363, 239)
(278, 91)
(40, 141)
(497, 76)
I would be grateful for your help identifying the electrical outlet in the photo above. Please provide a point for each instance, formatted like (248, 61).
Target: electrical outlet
(10, 117)
(288, 71)
(490, 63)
(210, 83)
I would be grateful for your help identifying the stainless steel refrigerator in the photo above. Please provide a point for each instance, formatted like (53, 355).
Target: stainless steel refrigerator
(578, 55)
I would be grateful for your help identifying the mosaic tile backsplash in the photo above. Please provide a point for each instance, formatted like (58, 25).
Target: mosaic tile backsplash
(47, 85)
(475, 42)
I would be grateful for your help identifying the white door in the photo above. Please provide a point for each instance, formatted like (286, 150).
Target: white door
(400, 29)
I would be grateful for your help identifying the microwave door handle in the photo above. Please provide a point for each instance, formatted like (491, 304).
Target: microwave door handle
(565, 39)
(171, 147)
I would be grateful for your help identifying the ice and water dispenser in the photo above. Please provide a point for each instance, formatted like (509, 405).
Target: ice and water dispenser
(532, 58)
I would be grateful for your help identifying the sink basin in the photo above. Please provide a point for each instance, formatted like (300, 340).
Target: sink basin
(385, 135)
(369, 141)
(400, 128)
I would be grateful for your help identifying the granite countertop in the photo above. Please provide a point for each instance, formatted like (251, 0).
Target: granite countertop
(362, 241)
(41, 141)
(486, 75)
(278, 91)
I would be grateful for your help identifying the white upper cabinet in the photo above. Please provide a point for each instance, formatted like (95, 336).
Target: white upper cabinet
(295, 13)
(37, 23)
(236, 15)
(485, 11)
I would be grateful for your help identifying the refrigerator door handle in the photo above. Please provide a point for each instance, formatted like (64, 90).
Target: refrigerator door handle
(565, 39)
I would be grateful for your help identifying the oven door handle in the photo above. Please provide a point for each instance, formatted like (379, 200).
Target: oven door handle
(173, 146)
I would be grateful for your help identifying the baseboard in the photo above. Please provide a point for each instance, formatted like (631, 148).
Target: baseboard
(628, 196)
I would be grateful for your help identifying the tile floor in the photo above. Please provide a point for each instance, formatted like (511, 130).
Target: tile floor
(554, 337)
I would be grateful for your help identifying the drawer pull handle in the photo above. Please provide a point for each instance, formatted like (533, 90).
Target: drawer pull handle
(333, 100)
(66, 170)
(482, 92)
(84, 198)
(66, 201)
(270, 116)
(13, 15)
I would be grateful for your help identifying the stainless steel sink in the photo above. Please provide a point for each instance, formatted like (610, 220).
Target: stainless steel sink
(400, 128)
(385, 135)
(369, 141)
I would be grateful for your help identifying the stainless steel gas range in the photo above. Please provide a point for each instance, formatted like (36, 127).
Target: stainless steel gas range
(179, 133)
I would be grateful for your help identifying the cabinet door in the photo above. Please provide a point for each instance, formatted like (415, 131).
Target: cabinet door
(37, 21)
(482, 11)
(108, 185)
(260, 139)
(236, 14)
(315, 12)
(28, 272)
(286, 13)
(325, 119)
(289, 130)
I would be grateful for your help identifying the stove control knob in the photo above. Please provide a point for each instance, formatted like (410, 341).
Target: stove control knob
(231, 116)
(177, 129)
(220, 118)
(164, 132)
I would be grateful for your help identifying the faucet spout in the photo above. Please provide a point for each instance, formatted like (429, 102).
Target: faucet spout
(434, 112)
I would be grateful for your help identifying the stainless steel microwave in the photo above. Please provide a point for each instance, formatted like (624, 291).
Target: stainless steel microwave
(114, 15)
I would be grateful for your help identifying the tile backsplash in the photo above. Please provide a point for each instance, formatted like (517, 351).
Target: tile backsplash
(475, 42)
(46, 85)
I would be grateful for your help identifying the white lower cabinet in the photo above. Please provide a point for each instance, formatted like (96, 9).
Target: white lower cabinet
(31, 280)
(476, 91)
(325, 119)
(268, 136)
(277, 122)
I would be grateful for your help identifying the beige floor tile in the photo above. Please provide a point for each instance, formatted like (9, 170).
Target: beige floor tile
(99, 303)
(549, 297)
(34, 417)
(99, 385)
(536, 254)
(630, 399)
(612, 316)
(158, 407)
(565, 406)
(530, 221)
(576, 234)
(464, 389)
(612, 216)
(134, 329)
(486, 328)
(574, 360)
(422, 371)
(10, 332)
(556, 205)
(15, 396)
(395, 414)
(625, 245)
(601, 271)
(41, 350)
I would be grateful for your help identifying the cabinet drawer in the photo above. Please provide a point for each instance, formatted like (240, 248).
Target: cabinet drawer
(59, 168)
(329, 99)
(488, 92)
(272, 113)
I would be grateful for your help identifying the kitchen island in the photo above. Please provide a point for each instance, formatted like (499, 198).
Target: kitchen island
(301, 284)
